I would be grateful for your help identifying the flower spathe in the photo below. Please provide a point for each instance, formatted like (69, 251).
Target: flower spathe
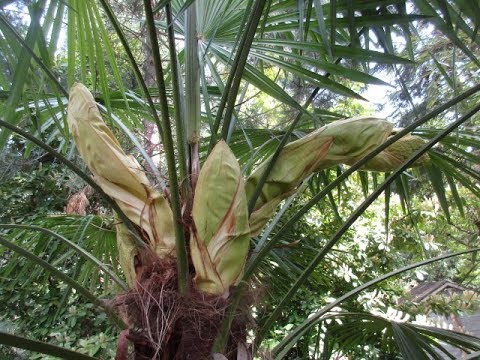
(340, 142)
(220, 239)
(119, 175)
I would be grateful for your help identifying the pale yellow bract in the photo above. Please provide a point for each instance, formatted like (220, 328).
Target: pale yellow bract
(119, 175)
(341, 142)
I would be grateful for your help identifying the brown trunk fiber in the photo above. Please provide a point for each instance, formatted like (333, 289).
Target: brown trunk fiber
(166, 325)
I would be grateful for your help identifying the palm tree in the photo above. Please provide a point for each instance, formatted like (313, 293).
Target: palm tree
(189, 252)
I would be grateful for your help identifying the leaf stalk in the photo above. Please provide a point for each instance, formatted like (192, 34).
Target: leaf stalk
(180, 243)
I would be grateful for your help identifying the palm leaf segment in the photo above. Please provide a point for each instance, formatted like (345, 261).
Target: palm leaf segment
(221, 226)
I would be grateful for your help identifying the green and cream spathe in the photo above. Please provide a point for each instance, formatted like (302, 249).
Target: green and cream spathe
(221, 227)
(220, 239)
(340, 142)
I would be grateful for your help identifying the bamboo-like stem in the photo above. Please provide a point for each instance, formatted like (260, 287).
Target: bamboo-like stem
(133, 230)
(354, 216)
(192, 78)
(180, 243)
(192, 90)
(233, 82)
(71, 43)
(177, 106)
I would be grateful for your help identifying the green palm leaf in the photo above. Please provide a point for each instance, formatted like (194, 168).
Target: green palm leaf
(410, 340)
(40, 347)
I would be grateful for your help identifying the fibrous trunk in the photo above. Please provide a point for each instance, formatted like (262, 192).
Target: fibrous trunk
(165, 324)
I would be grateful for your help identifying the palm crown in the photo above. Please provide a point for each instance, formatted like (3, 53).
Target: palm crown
(214, 241)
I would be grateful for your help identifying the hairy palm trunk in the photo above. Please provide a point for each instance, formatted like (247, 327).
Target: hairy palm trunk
(164, 324)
